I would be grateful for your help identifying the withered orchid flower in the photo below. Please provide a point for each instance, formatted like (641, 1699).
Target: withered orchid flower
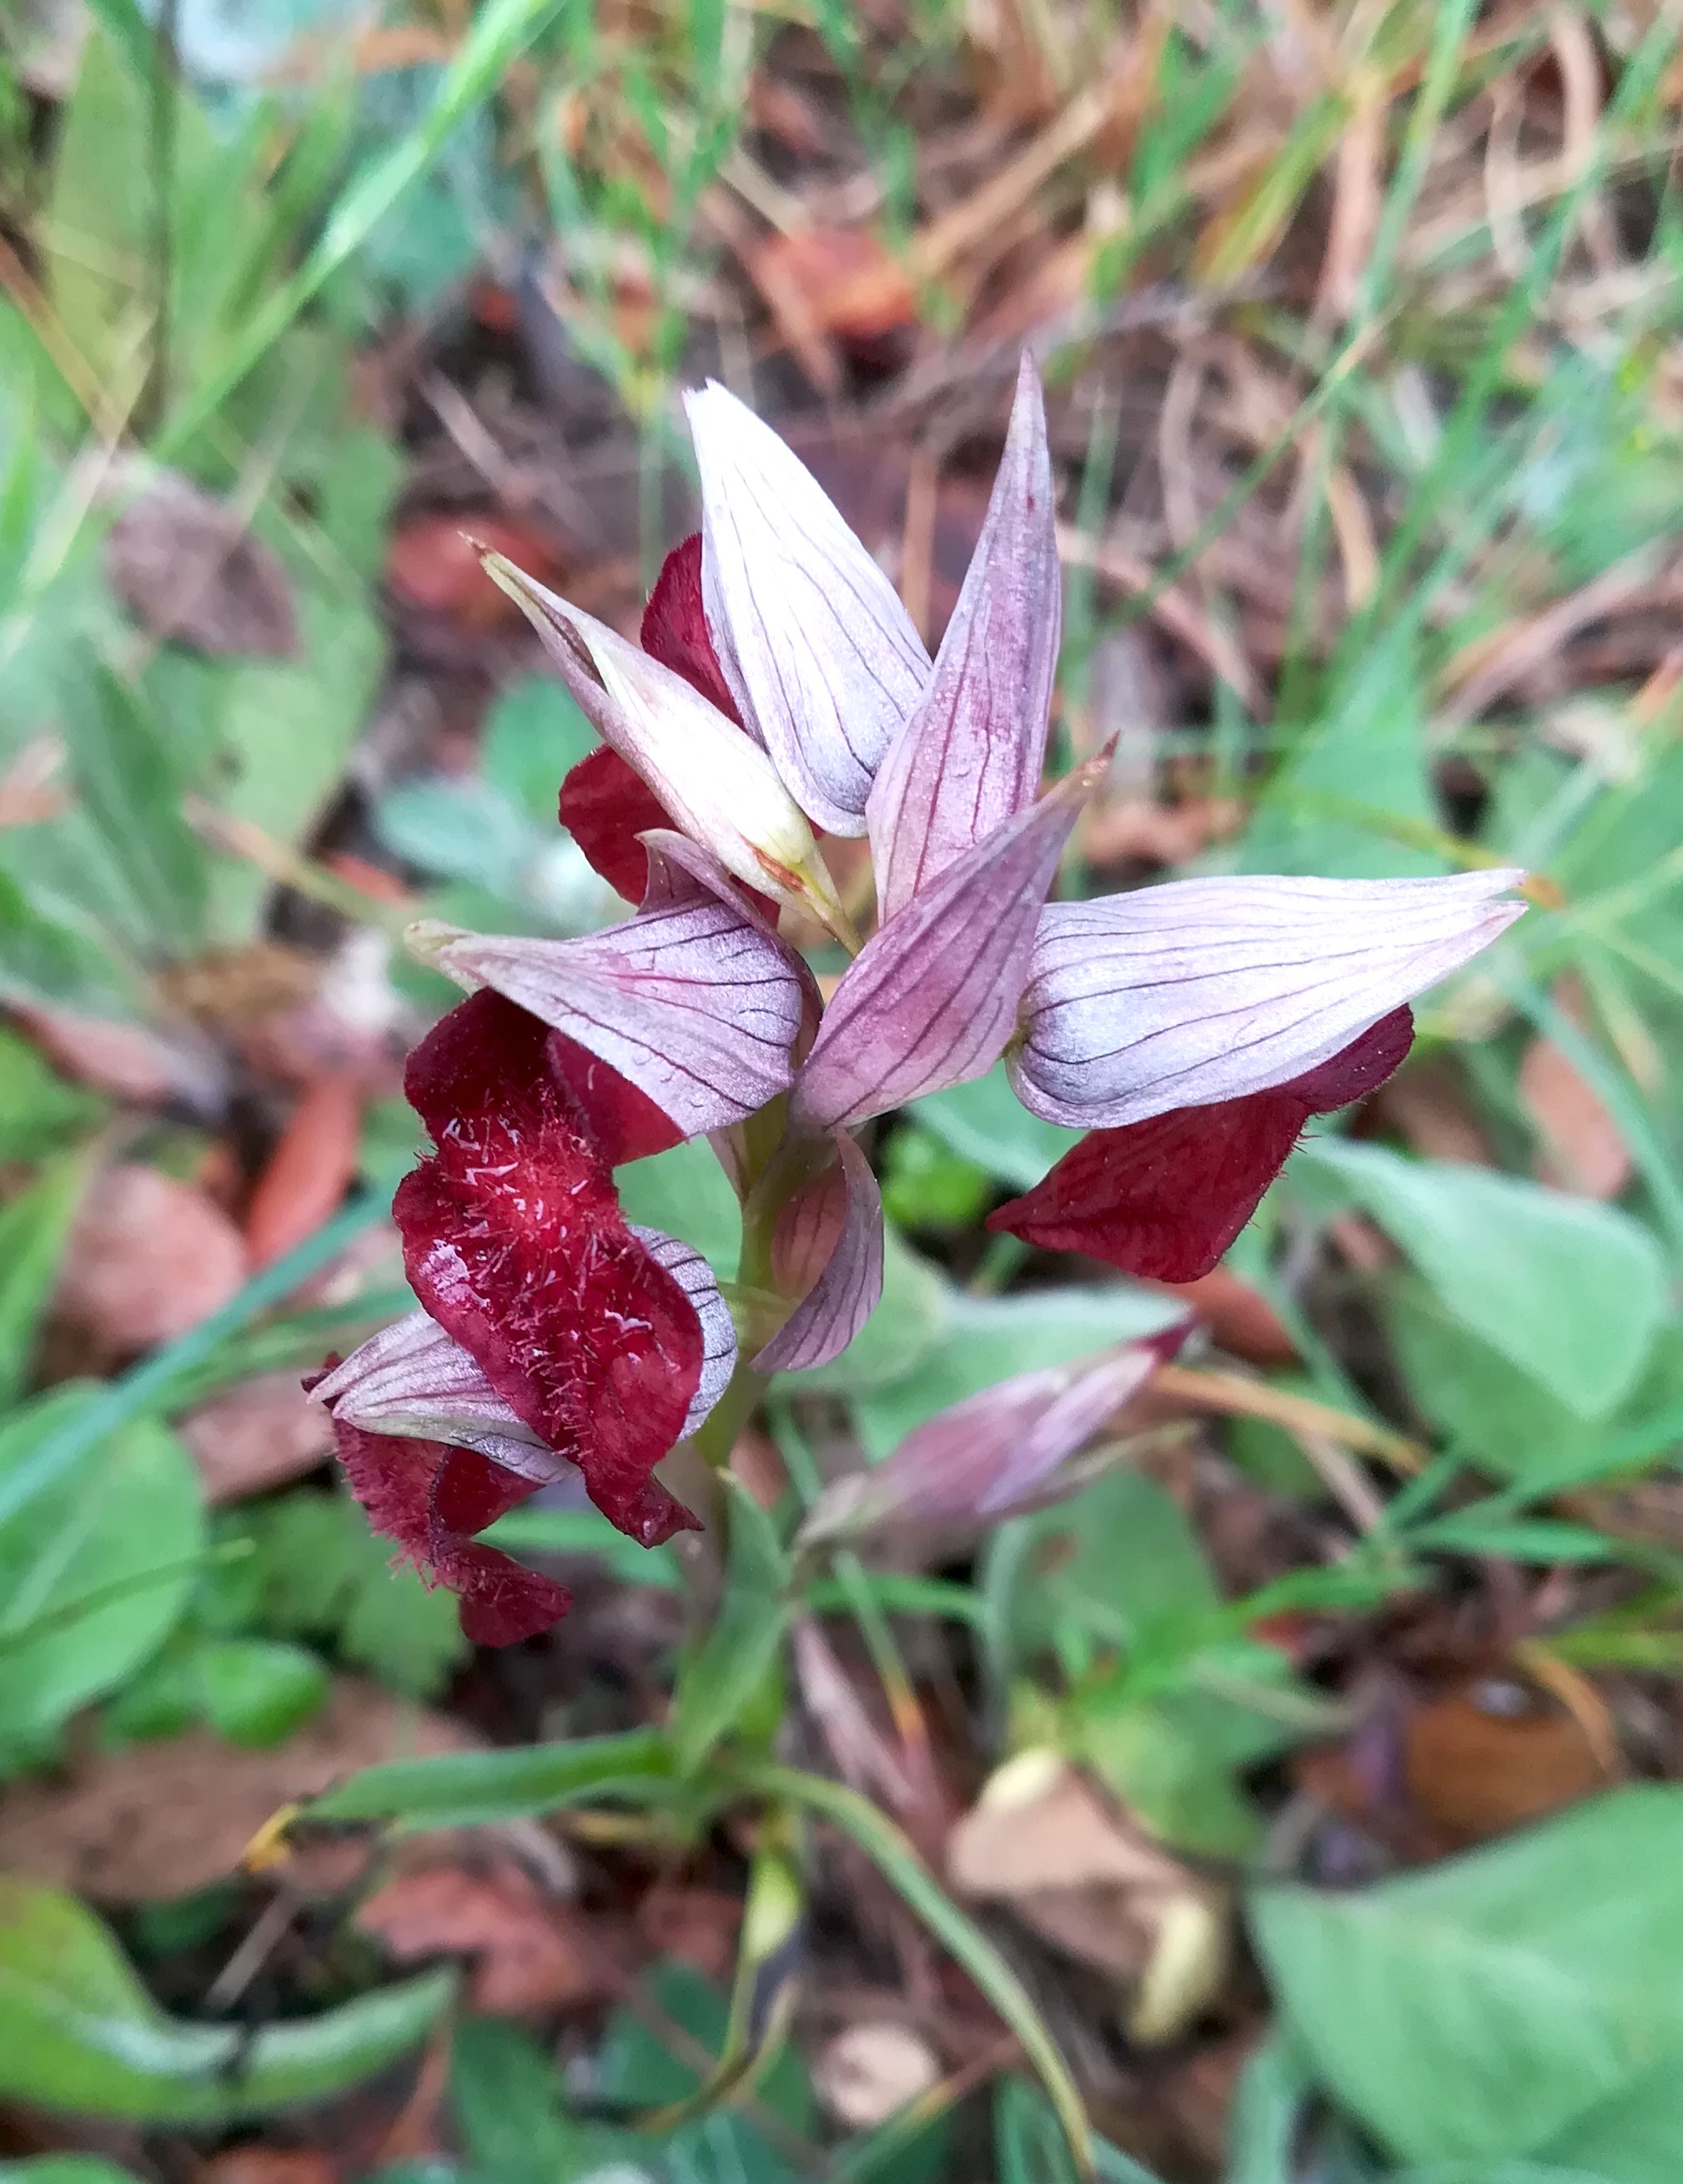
(779, 692)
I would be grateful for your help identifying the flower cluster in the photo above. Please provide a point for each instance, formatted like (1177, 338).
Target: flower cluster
(1190, 1030)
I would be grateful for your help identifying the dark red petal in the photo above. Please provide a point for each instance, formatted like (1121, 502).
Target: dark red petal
(429, 1499)
(674, 630)
(624, 1122)
(1165, 1198)
(605, 806)
(514, 1243)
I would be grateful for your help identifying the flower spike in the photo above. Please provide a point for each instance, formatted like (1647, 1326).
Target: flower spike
(932, 998)
(970, 756)
(716, 784)
(821, 656)
(1206, 990)
(695, 1000)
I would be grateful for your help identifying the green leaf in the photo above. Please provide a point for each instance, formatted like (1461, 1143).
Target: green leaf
(686, 1192)
(99, 232)
(902, 1334)
(985, 1121)
(987, 1340)
(1356, 785)
(927, 1185)
(585, 1532)
(38, 1109)
(535, 733)
(130, 782)
(256, 1692)
(1634, 2136)
(33, 1228)
(458, 1787)
(727, 1672)
(1571, 1291)
(505, 2092)
(1029, 2147)
(1262, 2130)
(64, 2169)
(78, 2031)
(1482, 2010)
(94, 1573)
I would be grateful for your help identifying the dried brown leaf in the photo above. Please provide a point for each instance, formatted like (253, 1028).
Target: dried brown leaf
(165, 1818)
(188, 568)
(528, 1951)
(147, 1258)
(256, 1435)
(867, 2072)
(1477, 1770)
(308, 1172)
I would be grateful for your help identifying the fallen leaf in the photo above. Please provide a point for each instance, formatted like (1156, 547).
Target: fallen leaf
(261, 1433)
(1426, 1104)
(189, 570)
(1240, 1318)
(309, 1171)
(126, 1060)
(867, 2072)
(1494, 1755)
(434, 565)
(1140, 829)
(1582, 1148)
(148, 1257)
(1076, 1869)
(528, 1951)
(269, 2164)
(846, 280)
(698, 1926)
(166, 1818)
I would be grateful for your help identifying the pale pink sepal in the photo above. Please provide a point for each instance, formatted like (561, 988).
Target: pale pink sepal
(818, 652)
(411, 1379)
(1208, 989)
(719, 785)
(972, 753)
(932, 998)
(695, 1000)
(829, 1235)
(697, 1280)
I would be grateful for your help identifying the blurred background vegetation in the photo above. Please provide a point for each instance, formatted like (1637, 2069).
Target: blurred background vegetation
(1360, 324)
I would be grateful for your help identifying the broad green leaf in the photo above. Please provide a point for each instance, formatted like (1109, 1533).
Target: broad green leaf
(78, 2031)
(95, 1572)
(457, 1786)
(1356, 785)
(38, 1109)
(534, 735)
(986, 1121)
(686, 1192)
(129, 780)
(33, 1230)
(1571, 1291)
(505, 2092)
(254, 1691)
(64, 2169)
(537, 1531)
(1635, 2137)
(726, 1675)
(100, 227)
(1261, 2128)
(453, 829)
(1030, 2147)
(1482, 2008)
(901, 1336)
(926, 1184)
(986, 1339)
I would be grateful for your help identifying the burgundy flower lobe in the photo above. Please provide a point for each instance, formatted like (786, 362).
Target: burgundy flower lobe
(605, 806)
(624, 1120)
(674, 630)
(430, 1499)
(514, 1243)
(1163, 1198)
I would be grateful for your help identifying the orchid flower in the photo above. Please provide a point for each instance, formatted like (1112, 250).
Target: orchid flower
(780, 691)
